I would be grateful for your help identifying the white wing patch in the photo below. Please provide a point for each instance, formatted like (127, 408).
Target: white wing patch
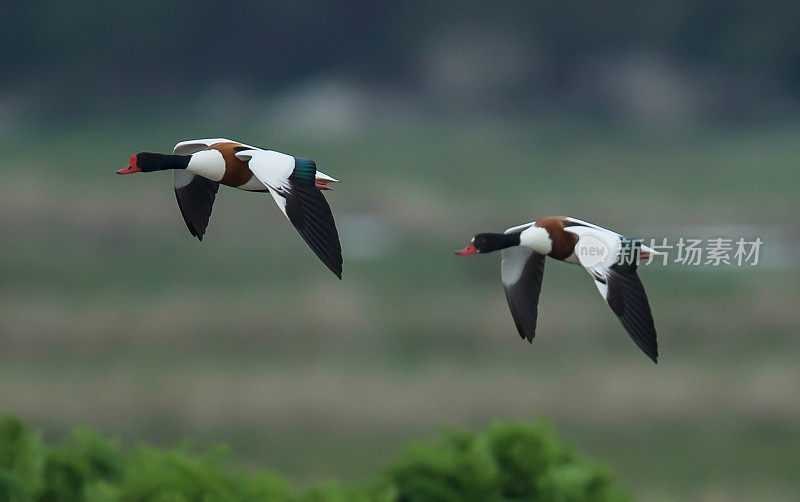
(181, 177)
(272, 169)
(597, 250)
(279, 200)
(592, 225)
(512, 264)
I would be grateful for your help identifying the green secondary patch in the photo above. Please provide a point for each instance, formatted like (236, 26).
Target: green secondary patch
(304, 169)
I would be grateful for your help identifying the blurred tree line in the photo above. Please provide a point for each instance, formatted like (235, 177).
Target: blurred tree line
(78, 53)
(508, 461)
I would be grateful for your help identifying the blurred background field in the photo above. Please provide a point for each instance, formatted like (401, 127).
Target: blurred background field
(441, 123)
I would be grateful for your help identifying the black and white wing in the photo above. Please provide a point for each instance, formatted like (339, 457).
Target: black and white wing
(624, 292)
(618, 281)
(522, 270)
(195, 194)
(291, 183)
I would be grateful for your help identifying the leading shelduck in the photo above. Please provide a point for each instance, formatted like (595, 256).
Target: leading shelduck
(610, 258)
(201, 165)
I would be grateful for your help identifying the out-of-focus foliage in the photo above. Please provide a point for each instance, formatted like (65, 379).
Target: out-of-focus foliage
(90, 467)
(508, 461)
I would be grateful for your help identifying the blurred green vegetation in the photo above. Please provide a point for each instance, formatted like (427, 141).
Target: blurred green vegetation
(508, 461)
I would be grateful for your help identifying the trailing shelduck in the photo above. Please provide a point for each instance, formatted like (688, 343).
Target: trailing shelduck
(610, 258)
(201, 165)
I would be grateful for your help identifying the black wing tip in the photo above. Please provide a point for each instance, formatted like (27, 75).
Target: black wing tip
(628, 299)
(523, 334)
(647, 345)
(195, 201)
(311, 215)
(334, 265)
(652, 353)
(194, 231)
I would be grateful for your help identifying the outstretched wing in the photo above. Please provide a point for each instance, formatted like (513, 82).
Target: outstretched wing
(290, 180)
(617, 280)
(522, 270)
(195, 196)
(194, 193)
(625, 295)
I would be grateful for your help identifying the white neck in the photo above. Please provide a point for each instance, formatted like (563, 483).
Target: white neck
(208, 164)
(537, 239)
